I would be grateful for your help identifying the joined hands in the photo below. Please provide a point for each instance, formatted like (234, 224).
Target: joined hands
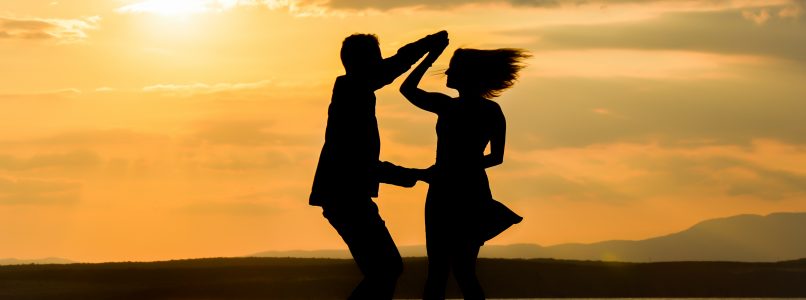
(439, 40)
(425, 175)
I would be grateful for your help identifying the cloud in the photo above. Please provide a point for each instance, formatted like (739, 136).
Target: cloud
(794, 10)
(767, 183)
(15, 191)
(237, 209)
(669, 65)
(60, 93)
(441, 4)
(245, 133)
(323, 7)
(558, 188)
(62, 30)
(632, 172)
(720, 33)
(546, 112)
(386, 5)
(171, 7)
(70, 160)
(105, 89)
(730, 176)
(249, 205)
(203, 88)
(184, 7)
(268, 161)
(759, 18)
(752, 89)
(86, 138)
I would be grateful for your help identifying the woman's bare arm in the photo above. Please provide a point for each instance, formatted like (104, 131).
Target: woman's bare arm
(497, 141)
(420, 98)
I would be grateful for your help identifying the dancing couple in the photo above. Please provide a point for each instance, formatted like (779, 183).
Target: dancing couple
(460, 213)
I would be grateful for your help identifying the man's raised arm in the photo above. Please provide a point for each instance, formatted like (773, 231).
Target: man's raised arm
(394, 66)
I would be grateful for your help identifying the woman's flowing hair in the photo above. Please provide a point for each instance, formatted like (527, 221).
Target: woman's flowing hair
(488, 71)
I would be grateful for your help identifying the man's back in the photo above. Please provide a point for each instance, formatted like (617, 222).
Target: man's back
(349, 169)
(352, 144)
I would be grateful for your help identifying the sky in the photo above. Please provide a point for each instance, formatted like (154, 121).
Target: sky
(165, 129)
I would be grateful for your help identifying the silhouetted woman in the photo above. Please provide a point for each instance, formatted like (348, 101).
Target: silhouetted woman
(459, 192)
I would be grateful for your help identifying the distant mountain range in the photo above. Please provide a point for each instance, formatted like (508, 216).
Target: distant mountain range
(775, 237)
(43, 261)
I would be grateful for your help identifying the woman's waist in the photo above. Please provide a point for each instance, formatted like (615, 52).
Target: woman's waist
(464, 164)
(458, 180)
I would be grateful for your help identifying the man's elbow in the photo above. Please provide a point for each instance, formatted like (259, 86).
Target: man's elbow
(496, 160)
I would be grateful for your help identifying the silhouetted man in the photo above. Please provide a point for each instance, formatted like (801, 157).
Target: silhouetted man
(349, 170)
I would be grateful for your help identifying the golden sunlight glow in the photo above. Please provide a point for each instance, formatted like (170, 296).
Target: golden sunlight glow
(178, 7)
(142, 130)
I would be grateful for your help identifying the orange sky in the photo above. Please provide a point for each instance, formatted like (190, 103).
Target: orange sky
(149, 130)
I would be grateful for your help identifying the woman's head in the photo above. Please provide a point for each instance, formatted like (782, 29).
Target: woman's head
(486, 72)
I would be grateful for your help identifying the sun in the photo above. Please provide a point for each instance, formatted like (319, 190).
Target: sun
(177, 7)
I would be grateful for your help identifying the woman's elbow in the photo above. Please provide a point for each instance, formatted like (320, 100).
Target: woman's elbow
(407, 92)
(494, 161)
(405, 88)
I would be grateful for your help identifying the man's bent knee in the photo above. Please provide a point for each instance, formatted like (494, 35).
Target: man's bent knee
(389, 269)
(396, 268)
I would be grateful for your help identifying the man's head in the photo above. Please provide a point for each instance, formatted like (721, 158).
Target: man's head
(360, 53)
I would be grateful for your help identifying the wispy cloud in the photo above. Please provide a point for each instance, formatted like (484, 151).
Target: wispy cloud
(629, 63)
(184, 7)
(760, 17)
(62, 30)
(550, 4)
(75, 159)
(632, 172)
(21, 191)
(794, 10)
(52, 93)
(245, 133)
(86, 139)
(204, 88)
(718, 33)
(104, 89)
(236, 209)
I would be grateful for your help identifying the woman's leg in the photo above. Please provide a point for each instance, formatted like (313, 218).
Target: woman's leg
(464, 269)
(438, 267)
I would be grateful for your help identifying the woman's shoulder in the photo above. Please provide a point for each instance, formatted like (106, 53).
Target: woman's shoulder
(490, 102)
(492, 106)
(446, 103)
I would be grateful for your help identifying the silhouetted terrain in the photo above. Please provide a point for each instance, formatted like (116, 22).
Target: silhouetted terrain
(43, 261)
(295, 278)
(775, 237)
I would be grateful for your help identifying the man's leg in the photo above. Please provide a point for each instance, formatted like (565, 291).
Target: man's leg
(371, 245)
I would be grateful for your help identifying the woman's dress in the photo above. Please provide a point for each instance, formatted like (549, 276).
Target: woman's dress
(460, 209)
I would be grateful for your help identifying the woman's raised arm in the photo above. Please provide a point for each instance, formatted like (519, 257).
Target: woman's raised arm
(424, 100)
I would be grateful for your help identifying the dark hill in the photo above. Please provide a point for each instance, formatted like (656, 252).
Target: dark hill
(774, 237)
(293, 278)
(43, 261)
